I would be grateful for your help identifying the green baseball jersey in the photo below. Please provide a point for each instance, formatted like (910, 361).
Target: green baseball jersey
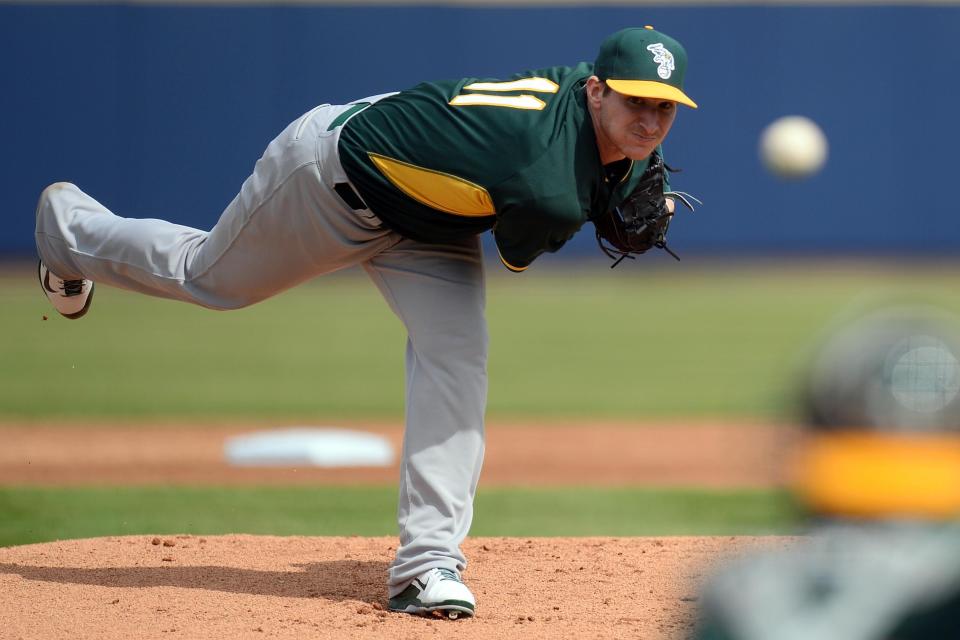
(518, 156)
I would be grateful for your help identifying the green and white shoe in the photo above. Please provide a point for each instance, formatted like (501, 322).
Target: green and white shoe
(436, 590)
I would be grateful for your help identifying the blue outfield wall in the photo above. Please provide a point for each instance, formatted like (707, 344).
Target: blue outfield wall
(161, 111)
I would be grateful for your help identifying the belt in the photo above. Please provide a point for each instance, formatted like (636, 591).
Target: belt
(346, 192)
(349, 196)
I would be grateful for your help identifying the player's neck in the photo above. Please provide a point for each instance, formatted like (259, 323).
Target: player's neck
(608, 151)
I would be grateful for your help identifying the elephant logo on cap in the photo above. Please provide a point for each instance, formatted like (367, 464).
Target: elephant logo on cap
(664, 58)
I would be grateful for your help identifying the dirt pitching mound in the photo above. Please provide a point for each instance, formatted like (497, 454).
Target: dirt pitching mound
(301, 587)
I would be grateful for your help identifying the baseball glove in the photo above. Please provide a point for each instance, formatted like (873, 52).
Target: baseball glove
(641, 222)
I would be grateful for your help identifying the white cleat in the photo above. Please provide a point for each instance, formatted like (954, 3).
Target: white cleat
(436, 591)
(70, 297)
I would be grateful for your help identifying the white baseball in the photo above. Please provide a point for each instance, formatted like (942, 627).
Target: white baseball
(793, 147)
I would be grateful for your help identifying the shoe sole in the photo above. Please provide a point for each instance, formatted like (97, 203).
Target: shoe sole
(45, 287)
(452, 609)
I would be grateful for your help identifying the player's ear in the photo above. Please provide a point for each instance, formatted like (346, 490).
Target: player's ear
(594, 88)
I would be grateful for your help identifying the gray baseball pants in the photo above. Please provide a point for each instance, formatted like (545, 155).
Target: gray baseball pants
(288, 225)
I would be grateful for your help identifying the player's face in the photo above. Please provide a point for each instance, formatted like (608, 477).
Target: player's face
(628, 126)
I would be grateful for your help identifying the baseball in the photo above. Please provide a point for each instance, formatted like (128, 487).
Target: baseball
(793, 147)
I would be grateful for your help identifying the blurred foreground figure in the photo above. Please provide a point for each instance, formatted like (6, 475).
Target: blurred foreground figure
(879, 474)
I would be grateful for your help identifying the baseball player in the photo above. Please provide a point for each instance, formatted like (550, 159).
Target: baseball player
(402, 184)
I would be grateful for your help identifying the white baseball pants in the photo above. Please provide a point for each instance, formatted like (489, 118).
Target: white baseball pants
(288, 225)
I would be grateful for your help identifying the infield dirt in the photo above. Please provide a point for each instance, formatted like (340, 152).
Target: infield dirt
(241, 586)
(707, 454)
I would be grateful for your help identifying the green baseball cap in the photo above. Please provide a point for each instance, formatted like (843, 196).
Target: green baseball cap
(644, 63)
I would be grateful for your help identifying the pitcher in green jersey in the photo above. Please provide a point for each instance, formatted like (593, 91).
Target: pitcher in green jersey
(402, 184)
(532, 157)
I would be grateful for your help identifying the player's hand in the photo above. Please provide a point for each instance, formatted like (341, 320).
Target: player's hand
(641, 221)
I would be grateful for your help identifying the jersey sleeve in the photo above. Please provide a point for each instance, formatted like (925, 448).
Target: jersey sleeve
(524, 234)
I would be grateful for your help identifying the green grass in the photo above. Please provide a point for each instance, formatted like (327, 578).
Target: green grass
(646, 340)
(42, 514)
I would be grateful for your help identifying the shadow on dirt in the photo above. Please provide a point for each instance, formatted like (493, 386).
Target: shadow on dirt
(334, 580)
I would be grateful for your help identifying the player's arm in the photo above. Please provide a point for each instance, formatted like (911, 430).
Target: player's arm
(522, 235)
(641, 220)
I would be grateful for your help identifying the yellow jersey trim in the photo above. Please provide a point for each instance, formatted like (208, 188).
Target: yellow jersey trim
(436, 189)
(510, 266)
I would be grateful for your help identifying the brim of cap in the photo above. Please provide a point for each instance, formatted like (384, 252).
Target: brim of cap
(650, 89)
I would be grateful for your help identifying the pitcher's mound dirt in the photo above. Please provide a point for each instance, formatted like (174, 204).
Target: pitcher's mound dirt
(298, 587)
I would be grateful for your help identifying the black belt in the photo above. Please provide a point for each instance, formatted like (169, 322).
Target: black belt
(343, 189)
(350, 197)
